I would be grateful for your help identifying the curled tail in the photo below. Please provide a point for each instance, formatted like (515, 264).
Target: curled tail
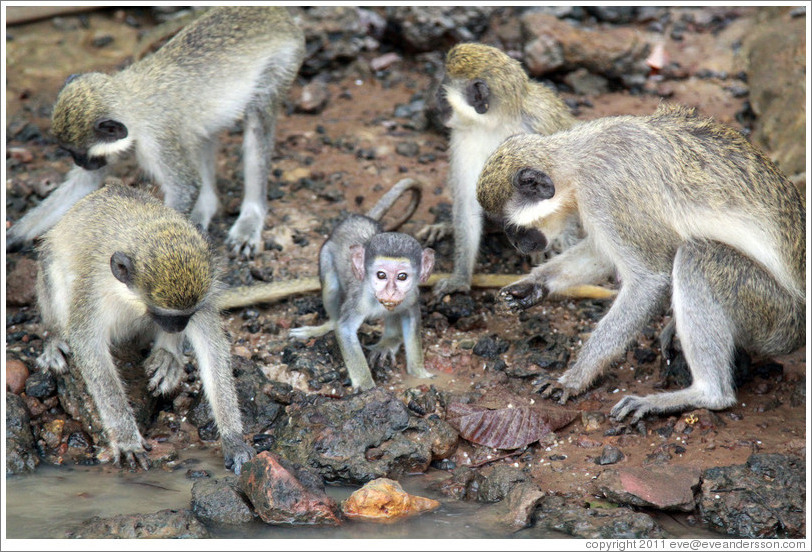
(389, 198)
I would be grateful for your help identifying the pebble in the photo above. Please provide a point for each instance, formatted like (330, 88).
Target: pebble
(16, 375)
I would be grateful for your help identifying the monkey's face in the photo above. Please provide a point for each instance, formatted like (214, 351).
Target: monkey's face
(392, 280)
(526, 240)
(82, 122)
(170, 321)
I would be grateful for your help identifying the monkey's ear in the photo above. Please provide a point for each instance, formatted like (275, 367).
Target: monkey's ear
(357, 257)
(122, 266)
(109, 130)
(478, 95)
(533, 184)
(426, 264)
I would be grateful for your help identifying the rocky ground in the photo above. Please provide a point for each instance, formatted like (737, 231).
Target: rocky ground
(358, 119)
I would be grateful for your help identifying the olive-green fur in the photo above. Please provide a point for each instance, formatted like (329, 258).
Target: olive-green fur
(540, 109)
(83, 101)
(173, 263)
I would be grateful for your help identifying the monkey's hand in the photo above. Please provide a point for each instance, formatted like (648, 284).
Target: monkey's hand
(384, 352)
(164, 370)
(134, 453)
(431, 234)
(551, 388)
(53, 356)
(452, 284)
(522, 294)
(236, 453)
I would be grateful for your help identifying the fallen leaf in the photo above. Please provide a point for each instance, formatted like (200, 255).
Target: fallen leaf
(511, 427)
(384, 500)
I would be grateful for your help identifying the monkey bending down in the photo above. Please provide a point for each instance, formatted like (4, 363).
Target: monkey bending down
(231, 62)
(367, 273)
(487, 97)
(120, 265)
(671, 200)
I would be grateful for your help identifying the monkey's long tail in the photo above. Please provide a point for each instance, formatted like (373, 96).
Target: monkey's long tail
(244, 296)
(389, 198)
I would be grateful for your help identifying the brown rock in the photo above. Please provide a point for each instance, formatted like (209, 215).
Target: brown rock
(280, 497)
(16, 374)
(314, 98)
(384, 500)
(661, 487)
(20, 283)
(552, 44)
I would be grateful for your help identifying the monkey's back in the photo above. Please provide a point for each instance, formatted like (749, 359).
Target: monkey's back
(692, 179)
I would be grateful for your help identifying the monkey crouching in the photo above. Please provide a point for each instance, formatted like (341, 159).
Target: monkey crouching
(120, 265)
(369, 274)
(673, 204)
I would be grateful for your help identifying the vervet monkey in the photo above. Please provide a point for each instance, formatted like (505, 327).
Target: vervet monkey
(169, 108)
(365, 274)
(487, 97)
(673, 203)
(121, 265)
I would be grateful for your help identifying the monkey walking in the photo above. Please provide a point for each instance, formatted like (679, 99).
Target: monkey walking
(168, 108)
(120, 265)
(671, 202)
(486, 96)
(365, 274)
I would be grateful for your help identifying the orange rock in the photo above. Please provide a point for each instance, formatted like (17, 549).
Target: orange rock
(384, 500)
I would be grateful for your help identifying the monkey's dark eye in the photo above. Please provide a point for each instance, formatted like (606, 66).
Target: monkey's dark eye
(381, 275)
(402, 276)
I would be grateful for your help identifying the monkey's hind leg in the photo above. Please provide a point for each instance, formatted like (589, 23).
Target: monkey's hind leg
(720, 299)
(164, 365)
(245, 236)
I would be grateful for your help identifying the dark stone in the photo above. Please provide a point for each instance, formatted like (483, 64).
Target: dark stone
(40, 384)
(762, 498)
(220, 501)
(458, 305)
(21, 456)
(555, 513)
(491, 346)
(165, 524)
(335, 438)
(609, 455)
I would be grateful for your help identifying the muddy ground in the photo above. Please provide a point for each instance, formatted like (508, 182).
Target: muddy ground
(371, 133)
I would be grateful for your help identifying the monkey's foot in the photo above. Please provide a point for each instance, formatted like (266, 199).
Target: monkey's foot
(522, 294)
(452, 284)
(164, 370)
(431, 234)
(53, 356)
(629, 404)
(236, 453)
(245, 237)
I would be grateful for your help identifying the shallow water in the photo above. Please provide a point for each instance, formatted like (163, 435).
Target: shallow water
(55, 498)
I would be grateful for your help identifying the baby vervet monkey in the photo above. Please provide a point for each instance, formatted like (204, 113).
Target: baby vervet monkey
(121, 265)
(674, 204)
(168, 109)
(369, 274)
(487, 96)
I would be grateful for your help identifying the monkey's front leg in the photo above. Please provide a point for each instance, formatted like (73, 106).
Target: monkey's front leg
(95, 363)
(212, 348)
(352, 352)
(410, 324)
(386, 349)
(637, 301)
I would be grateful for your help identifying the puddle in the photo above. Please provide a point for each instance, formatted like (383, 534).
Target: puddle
(55, 498)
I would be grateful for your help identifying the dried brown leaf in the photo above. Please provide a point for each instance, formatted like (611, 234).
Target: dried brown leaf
(511, 427)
